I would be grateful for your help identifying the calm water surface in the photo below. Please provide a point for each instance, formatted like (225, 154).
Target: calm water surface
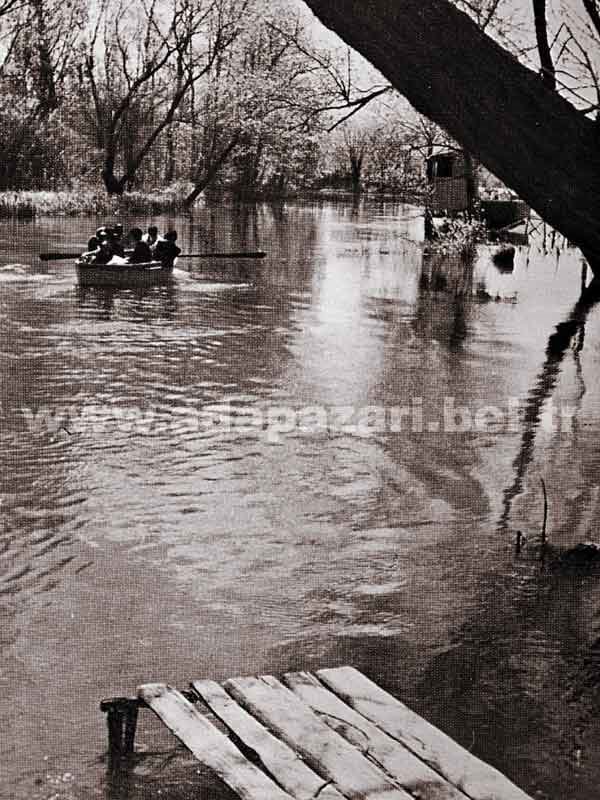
(140, 540)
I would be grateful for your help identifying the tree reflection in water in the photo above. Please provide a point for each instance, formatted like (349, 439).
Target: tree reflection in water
(572, 330)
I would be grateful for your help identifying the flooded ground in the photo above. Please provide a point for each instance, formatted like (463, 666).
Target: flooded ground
(322, 459)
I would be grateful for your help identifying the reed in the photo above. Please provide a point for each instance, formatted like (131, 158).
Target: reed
(76, 202)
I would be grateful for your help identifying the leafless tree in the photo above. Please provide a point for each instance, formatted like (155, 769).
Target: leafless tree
(141, 61)
(39, 39)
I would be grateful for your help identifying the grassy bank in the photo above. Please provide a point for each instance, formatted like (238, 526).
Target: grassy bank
(85, 202)
(76, 202)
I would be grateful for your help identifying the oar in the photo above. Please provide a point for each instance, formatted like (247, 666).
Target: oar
(71, 256)
(256, 254)
(59, 256)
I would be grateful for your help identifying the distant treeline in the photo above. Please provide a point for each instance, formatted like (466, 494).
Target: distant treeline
(109, 98)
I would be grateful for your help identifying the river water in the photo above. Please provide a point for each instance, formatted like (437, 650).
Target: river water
(320, 459)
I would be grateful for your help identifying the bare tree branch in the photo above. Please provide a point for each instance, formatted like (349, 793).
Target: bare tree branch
(354, 106)
(593, 11)
(541, 35)
(9, 6)
(587, 63)
(490, 15)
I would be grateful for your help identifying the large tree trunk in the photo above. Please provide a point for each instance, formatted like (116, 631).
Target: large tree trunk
(499, 110)
(169, 175)
(46, 85)
(113, 184)
(356, 162)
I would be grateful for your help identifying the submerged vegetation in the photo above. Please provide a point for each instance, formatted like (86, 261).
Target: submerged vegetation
(457, 234)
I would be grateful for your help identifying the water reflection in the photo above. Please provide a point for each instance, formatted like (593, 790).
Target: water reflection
(150, 303)
(141, 541)
(569, 333)
(446, 281)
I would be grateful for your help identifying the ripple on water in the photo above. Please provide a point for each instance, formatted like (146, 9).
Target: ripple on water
(317, 547)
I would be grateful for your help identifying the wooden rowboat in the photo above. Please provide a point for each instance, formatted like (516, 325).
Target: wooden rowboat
(145, 274)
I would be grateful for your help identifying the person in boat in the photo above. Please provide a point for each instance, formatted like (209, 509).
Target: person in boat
(141, 252)
(165, 250)
(99, 250)
(109, 245)
(94, 241)
(104, 251)
(152, 236)
(117, 240)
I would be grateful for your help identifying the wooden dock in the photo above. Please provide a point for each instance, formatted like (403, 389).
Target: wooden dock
(333, 735)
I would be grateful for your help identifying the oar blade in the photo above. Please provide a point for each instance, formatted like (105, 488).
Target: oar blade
(59, 256)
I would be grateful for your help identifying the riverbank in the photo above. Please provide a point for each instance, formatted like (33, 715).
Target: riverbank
(84, 202)
(169, 200)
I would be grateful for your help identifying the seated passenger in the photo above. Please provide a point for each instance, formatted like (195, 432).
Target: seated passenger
(104, 252)
(141, 253)
(94, 241)
(152, 235)
(165, 250)
(117, 240)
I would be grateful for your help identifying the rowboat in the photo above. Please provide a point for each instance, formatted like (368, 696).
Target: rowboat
(146, 274)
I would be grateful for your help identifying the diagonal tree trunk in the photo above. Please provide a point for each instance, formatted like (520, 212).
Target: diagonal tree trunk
(211, 170)
(499, 110)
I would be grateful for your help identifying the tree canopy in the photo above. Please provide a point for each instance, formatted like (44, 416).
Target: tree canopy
(247, 94)
(142, 94)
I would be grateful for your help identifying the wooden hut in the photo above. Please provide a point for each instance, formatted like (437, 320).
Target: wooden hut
(452, 182)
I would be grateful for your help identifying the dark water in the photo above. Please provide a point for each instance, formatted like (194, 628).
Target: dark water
(197, 481)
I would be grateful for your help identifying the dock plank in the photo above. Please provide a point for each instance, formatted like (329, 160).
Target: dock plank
(325, 751)
(475, 778)
(209, 745)
(288, 769)
(410, 772)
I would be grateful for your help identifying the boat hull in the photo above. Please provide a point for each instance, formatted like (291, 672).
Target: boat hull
(147, 274)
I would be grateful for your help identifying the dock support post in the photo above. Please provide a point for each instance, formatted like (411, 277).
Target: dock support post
(114, 721)
(130, 728)
(121, 720)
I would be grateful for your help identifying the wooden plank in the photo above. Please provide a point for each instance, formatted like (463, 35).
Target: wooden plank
(278, 759)
(209, 745)
(325, 751)
(410, 772)
(475, 778)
